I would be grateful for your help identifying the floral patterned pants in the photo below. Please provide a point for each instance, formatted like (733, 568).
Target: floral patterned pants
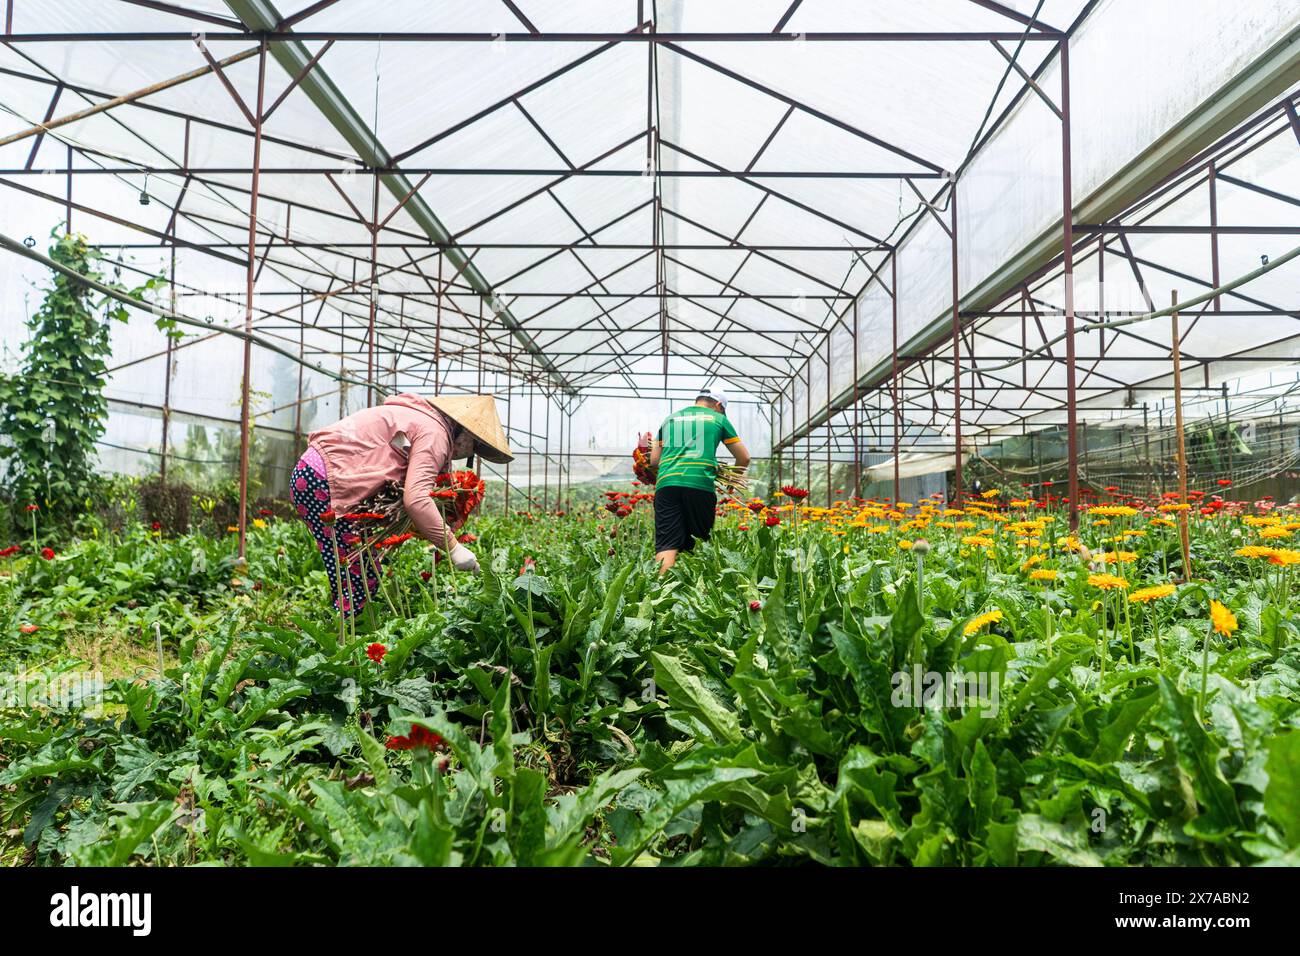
(310, 493)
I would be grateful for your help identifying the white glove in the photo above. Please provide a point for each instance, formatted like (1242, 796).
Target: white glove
(462, 559)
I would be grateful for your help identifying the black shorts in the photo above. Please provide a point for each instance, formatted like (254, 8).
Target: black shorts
(681, 516)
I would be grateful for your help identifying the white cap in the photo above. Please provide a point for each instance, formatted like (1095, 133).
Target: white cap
(715, 394)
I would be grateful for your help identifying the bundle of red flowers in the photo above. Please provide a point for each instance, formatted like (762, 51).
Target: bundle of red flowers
(641, 461)
(462, 492)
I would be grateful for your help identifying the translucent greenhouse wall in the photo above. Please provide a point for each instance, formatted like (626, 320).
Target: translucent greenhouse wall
(1136, 72)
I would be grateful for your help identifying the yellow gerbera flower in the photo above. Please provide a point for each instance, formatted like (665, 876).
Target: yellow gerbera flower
(1107, 581)
(1043, 574)
(1144, 595)
(1254, 551)
(1030, 562)
(975, 623)
(1113, 511)
(1223, 620)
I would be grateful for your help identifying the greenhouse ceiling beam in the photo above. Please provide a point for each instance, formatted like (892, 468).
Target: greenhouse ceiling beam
(811, 110)
(1004, 10)
(757, 250)
(176, 114)
(555, 246)
(292, 55)
(749, 180)
(275, 36)
(164, 239)
(1137, 230)
(575, 173)
(189, 14)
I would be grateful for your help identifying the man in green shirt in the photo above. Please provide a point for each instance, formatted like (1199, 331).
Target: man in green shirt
(685, 454)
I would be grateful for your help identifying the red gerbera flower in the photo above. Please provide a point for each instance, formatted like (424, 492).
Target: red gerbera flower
(47, 554)
(12, 549)
(394, 540)
(33, 507)
(376, 652)
(29, 628)
(265, 512)
(755, 605)
(156, 526)
(795, 492)
(1224, 482)
(772, 520)
(328, 516)
(529, 567)
(420, 738)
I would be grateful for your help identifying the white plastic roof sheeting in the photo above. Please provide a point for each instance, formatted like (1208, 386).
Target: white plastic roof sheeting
(750, 311)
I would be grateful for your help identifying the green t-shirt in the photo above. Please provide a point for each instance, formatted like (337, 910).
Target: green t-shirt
(690, 438)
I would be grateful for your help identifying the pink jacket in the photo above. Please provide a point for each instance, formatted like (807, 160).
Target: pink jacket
(360, 456)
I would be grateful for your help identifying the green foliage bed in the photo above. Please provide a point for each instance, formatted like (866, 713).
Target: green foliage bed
(595, 714)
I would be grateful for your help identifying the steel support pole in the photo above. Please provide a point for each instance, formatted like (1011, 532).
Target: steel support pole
(1178, 434)
(302, 341)
(510, 377)
(245, 410)
(893, 291)
(69, 197)
(374, 290)
(546, 458)
(437, 339)
(807, 432)
(1067, 270)
(1214, 230)
(167, 377)
(829, 490)
(532, 378)
(857, 412)
(956, 353)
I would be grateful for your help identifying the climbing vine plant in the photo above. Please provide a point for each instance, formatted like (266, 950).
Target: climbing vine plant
(53, 408)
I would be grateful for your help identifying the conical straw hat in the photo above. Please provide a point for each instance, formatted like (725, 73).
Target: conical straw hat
(477, 414)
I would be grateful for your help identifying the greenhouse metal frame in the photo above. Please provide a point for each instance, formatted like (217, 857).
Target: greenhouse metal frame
(640, 293)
